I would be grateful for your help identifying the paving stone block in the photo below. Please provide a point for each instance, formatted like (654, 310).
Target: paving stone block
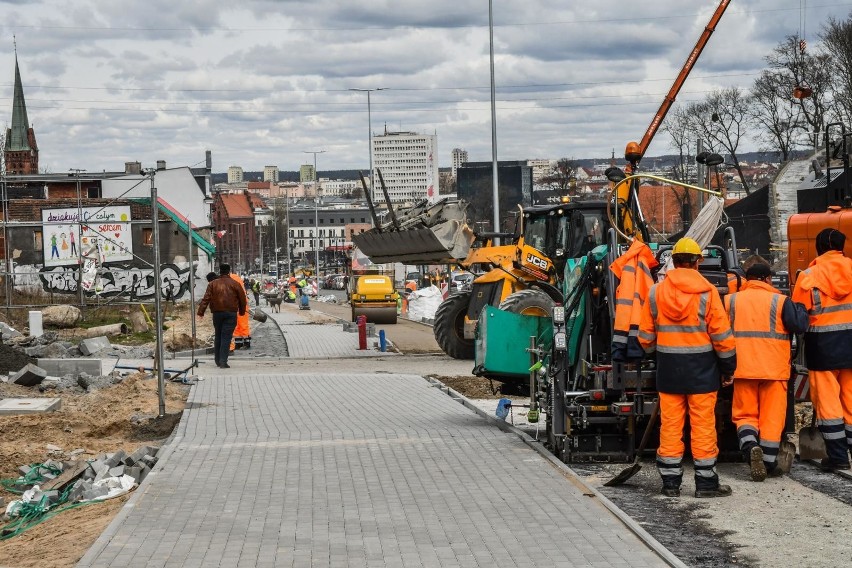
(136, 457)
(135, 472)
(62, 367)
(115, 458)
(29, 376)
(76, 493)
(92, 345)
(94, 492)
(116, 471)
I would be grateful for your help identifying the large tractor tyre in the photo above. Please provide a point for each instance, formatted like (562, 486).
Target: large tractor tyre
(530, 302)
(449, 327)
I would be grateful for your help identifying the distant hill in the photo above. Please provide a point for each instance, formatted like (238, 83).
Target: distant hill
(291, 176)
(663, 162)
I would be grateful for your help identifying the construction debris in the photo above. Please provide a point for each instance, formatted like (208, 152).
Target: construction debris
(29, 376)
(54, 486)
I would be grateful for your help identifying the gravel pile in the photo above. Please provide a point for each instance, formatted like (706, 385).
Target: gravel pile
(12, 360)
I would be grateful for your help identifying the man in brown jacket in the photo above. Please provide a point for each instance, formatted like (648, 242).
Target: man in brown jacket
(225, 298)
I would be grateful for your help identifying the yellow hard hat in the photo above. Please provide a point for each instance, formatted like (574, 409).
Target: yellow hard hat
(686, 246)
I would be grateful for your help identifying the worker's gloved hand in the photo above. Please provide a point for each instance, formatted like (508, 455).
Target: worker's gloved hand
(727, 381)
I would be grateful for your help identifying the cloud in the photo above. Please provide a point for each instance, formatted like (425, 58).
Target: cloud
(259, 81)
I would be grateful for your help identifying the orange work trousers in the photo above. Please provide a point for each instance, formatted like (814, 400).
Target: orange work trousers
(760, 404)
(702, 419)
(831, 393)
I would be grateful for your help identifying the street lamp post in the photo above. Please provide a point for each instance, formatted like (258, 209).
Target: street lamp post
(275, 237)
(370, 128)
(316, 207)
(239, 246)
(79, 239)
(494, 181)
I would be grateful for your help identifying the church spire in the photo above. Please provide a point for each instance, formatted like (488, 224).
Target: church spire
(17, 136)
(21, 151)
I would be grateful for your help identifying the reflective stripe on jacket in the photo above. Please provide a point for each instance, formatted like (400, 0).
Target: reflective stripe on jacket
(633, 269)
(685, 322)
(763, 342)
(825, 289)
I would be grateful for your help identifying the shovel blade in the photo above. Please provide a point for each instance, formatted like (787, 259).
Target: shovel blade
(786, 453)
(625, 474)
(811, 444)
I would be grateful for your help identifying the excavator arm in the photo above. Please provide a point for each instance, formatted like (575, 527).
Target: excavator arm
(626, 193)
(635, 151)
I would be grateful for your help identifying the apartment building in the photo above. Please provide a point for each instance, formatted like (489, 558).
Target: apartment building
(235, 174)
(409, 165)
(459, 159)
(270, 173)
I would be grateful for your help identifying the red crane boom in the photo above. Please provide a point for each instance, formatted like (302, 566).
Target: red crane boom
(635, 151)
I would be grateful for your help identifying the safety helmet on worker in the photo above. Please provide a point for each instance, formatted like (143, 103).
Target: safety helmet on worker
(686, 246)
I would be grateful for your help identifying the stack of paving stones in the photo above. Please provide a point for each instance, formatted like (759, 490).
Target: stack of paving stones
(137, 465)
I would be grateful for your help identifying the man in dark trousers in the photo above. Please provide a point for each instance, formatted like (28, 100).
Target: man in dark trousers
(225, 298)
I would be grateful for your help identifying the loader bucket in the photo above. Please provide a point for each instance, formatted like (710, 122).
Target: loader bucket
(448, 242)
(424, 233)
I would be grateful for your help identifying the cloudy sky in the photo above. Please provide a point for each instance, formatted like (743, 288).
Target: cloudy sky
(261, 82)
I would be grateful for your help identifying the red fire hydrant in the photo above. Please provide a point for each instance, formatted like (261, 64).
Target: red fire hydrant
(361, 321)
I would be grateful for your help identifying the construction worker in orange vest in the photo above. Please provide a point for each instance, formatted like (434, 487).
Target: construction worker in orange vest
(684, 321)
(825, 289)
(762, 320)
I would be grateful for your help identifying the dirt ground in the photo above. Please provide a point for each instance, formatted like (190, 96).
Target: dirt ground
(122, 416)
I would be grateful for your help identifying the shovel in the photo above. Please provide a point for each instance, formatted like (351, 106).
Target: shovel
(634, 468)
(811, 442)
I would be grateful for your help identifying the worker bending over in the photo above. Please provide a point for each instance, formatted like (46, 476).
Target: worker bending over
(762, 320)
(685, 322)
(825, 289)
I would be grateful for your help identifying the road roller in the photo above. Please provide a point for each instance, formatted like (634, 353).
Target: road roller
(373, 296)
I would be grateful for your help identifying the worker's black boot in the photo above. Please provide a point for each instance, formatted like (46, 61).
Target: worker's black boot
(707, 480)
(718, 491)
(756, 464)
(827, 464)
(838, 453)
(671, 472)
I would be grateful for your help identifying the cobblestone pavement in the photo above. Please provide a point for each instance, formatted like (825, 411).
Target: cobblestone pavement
(354, 470)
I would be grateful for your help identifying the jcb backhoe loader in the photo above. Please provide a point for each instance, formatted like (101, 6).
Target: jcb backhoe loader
(521, 276)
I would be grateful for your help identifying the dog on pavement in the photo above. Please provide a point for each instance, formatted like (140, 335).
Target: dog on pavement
(275, 303)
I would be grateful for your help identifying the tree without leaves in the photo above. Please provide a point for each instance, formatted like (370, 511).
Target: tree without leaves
(836, 39)
(772, 114)
(721, 119)
(799, 68)
(679, 128)
(563, 177)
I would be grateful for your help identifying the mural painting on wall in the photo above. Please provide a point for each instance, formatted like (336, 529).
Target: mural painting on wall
(104, 236)
(131, 283)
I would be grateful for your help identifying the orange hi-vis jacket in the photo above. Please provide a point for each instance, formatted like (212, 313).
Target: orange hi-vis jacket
(633, 269)
(825, 289)
(763, 339)
(685, 322)
(243, 328)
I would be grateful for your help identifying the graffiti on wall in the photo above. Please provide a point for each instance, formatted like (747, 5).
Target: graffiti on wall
(131, 283)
